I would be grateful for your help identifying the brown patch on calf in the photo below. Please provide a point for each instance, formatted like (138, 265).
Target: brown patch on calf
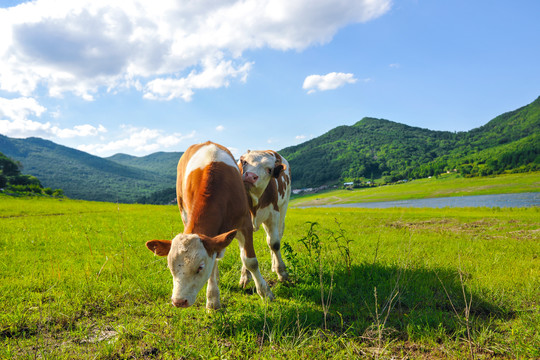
(182, 164)
(215, 199)
(283, 182)
(279, 167)
(269, 197)
(277, 185)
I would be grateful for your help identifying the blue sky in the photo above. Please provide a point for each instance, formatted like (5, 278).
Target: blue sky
(148, 76)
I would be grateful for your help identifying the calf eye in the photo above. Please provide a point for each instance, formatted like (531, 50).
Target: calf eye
(200, 268)
(269, 171)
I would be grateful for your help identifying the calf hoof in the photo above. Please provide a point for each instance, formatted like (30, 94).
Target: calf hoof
(283, 276)
(270, 295)
(245, 278)
(212, 305)
(267, 294)
(244, 281)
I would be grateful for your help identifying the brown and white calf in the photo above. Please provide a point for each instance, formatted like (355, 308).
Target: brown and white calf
(267, 179)
(214, 209)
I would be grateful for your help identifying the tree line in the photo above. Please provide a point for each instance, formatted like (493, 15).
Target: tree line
(12, 181)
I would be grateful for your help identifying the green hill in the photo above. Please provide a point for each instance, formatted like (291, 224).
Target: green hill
(375, 148)
(370, 149)
(162, 163)
(81, 175)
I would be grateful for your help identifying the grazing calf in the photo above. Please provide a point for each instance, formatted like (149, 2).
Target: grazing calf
(267, 179)
(214, 210)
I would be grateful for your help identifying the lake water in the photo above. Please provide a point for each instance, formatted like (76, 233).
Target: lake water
(499, 200)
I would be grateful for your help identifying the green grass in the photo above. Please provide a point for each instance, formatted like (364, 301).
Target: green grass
(443, 186)
(77, 282)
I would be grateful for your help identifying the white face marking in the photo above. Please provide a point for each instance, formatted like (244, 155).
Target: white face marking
(205, 155)
(261, 164)
(190, 267)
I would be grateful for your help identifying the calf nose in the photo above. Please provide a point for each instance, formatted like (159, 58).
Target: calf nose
(250, 177)
(180, 302)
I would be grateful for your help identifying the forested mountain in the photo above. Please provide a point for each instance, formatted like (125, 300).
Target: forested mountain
(160, 163)
(165, 196)
(81, 175)
(369, 149)
(374, 148)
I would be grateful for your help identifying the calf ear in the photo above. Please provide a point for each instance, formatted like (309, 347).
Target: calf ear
(240, 162)
(159, 247)
(217, 243)
(278, 169)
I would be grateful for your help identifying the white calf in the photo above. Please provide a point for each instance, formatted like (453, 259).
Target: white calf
(267, 179)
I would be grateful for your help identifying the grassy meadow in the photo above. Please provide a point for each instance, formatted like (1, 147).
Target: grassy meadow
(446, 185)
(76, 281)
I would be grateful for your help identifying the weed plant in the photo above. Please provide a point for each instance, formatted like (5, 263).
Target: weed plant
(76, 281)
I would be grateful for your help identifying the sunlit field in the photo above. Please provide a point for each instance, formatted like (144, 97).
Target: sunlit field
(76, 281)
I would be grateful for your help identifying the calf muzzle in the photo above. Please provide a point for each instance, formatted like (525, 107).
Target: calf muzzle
(250, 177)
(183, 303)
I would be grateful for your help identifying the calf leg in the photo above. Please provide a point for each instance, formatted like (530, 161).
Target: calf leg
(250, 263)
(245, 275)
(273, 239)
(212, 289)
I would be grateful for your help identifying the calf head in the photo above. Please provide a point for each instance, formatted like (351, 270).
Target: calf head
(257, 168)
(191, 258)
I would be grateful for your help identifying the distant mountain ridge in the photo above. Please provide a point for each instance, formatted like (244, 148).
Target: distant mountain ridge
(85, 176)
(162, 163)
(374, 148)
(369, 149)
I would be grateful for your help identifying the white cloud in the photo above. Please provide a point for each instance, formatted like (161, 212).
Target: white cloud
(24, 128)
(139, 140)
(20, 108)
(55, 114)
(79, 131)
(15, 122)
(220, 128)
(166, 49)
(329, 81)
(300, 137)
(214, 75)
